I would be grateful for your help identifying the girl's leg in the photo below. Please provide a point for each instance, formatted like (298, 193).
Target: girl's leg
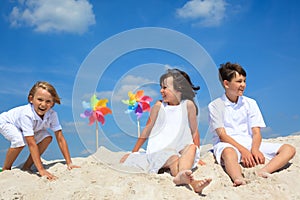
(42, 147)
(185, 162)
(187, 157)
(11, 156)
(172, 164)
(232, 167)
(285, 153)
(185, 175)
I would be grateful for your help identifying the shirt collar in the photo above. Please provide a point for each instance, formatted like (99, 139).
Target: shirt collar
(229, 103)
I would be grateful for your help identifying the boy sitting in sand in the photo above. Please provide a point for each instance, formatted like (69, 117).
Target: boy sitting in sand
(173, 132)
(236, 121)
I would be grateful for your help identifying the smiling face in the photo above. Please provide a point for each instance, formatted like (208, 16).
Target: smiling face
(168, 93)
(235, 87)
(42, 101)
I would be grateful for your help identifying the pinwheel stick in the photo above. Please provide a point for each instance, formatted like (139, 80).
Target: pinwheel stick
(97, 130)
(139, 128)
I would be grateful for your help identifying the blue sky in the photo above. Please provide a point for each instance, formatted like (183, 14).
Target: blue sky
(57, 41)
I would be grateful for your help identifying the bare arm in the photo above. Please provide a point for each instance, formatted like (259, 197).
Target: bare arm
(62, 143)
(226, 138)
(35, 155)
(146, 131)
(256, 141)
(192, 116)
(247, 157)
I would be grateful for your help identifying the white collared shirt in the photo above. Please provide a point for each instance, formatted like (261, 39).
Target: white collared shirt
(237, 118)
(27, 120)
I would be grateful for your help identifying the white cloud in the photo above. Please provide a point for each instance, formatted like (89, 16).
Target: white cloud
(72, 16)
(133, 83)
(209, 12)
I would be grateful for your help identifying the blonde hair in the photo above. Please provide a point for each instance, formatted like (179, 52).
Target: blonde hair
(46, 86)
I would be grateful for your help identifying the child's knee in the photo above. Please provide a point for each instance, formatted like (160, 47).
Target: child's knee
(174, 157)
(290, 149)
(192, 147)
(229, 152)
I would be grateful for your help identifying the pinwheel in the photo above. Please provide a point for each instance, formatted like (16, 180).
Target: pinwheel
(95, 110)
(138, 103)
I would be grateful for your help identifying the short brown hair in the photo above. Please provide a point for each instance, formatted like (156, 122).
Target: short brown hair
(228, 71)
(46, 86)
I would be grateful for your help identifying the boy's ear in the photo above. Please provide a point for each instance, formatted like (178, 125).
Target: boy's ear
(225, 83)
(30, 97)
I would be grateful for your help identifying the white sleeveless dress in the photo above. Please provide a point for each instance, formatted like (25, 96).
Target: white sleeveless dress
(170, 134)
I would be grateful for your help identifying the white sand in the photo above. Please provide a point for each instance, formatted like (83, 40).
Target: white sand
(98, 180)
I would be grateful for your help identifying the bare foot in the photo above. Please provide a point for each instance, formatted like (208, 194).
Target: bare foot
(28, 170)
(240, 181)
(199, 185)
(263, 174)
(183, 177)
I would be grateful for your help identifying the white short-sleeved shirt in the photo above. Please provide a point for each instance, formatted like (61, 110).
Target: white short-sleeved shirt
(28, 122)
(237, 118)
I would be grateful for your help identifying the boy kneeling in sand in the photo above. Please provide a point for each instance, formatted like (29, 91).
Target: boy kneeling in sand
(28, 124)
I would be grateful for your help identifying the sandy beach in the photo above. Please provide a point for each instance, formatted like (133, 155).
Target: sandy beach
(102, 177)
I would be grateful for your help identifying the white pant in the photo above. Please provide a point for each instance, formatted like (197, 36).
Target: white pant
(16, 137)
(153, 162)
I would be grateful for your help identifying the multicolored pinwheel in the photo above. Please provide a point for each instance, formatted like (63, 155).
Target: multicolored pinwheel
(95, 110)
(139, 104)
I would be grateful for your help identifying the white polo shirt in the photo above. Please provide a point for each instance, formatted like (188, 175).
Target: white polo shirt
(28, 122)
(237, 118)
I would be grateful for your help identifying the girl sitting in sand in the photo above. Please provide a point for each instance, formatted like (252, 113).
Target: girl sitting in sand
(172, 131)
(28, 124)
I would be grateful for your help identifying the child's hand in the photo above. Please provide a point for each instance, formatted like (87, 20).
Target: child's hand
(49, 176)
(71, 166)
(123, 159)
(258, 157)
(247, 159)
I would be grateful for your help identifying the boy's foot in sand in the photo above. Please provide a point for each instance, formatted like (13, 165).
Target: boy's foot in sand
(183, 177)
(263, 174)
(28, 170)
(199, 185)
(240, 181)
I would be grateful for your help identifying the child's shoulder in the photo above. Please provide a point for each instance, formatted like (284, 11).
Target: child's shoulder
(248, 100)
(189, 102)
(217, 101)
(158, 103)
(20, 109)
